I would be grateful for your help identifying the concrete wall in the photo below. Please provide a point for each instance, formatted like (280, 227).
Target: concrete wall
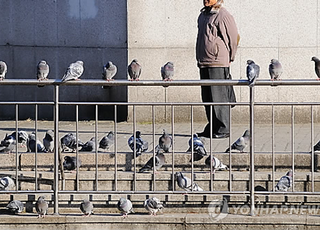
(286, 30)
(62, 32)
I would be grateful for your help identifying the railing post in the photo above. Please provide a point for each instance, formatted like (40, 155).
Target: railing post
(56, 149)
(252, 151)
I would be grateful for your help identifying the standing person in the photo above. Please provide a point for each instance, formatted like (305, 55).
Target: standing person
(216, 48)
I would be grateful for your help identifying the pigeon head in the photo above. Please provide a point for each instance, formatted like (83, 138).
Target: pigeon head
(80, 62)
(41, 197)
(43, 62)
(138, 134)
(135, 60)
(290, 173)
(273, 61)
(249, 62)
(246, 133)
(195, 135)
(315, 59)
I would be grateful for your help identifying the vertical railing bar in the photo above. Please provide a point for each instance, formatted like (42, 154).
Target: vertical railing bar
(77, 146)
(230, 143)
(252, 208)
(96, 146)
(17, 152)
(192, 150)
(134, 149)
(312, 150)
(292, 145)
(115, 149)
(154, 149)
(273, 156)
(36, 148)
(211, 155)
(56, 149)
(172, 155)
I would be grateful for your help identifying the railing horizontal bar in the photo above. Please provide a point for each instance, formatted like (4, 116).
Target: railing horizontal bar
(299, 82)
(286, 103)
(26, 191)
(26, 103)
(153, 103)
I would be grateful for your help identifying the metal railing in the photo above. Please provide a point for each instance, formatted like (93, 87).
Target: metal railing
(251, 104)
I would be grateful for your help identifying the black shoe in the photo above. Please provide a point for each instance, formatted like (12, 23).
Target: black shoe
(204, 134)
(220, 135)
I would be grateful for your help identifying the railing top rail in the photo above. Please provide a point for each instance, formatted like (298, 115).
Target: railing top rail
(263, 82)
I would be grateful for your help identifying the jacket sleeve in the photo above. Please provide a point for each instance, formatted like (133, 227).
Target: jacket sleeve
(230, 35)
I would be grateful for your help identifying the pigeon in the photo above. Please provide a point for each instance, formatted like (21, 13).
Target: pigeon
(86, 207)
(316, 66)
(109, 71)
(7, 144)
(241, 143)
(216, 164)
(74, 71)
(107, 141)
(285, 182)
(316, 147)
(31, 144)
(165, 142)
(89, 146)
(48, 141)
(3, 70)
(275, 69)
(68, 141)
(42, 70)
(198, 148)
(41, 206)
(141, 145)
(159, 162)
(134, 70)
(153, 205)
(23, 137)
(15, 206)
(6, 184)
(125, 207)
(252, 72)
(167, 71)
(70, 163)
(185, 183)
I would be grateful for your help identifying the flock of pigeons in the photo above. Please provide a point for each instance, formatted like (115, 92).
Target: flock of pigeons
(76, 69)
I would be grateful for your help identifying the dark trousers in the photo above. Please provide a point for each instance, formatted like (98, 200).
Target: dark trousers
(220, 114)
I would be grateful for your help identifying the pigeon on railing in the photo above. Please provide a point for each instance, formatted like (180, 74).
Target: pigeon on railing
(167, 71)
(41, 206)
(86, 207)
(316, 66)
(153, 205)
(241, 143)
(3, 70)
(275, 69)
(109, 71)
(252, 72)
(134, 70)
(42, 70)
(74, 71)
(285, 182)
(125, 207)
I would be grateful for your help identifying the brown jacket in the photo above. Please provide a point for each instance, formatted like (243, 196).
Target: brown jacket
(217, 39)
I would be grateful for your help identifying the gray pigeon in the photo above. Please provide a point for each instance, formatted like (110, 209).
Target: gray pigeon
(134, 70)
(48, 141)
(185, 183)
(15, 206)
(275, 69)
(89, 146)
(165, 142)
(70, 163)
(7, 144)
(285, 182)
(3, 70)
(216, 164)
(316, 66)
(153, 205)
(86, 207)
(125, 207)
(42, 70)
(109, 71)
(241, 142)
(253, 71)
(6, 184)
(23, 137)
(32, 143)
(107, 141)
(68, 141)
(198, 148)
(160, 160)
(167, 71)
(74, 71)
(141, 145)
(41, 206)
